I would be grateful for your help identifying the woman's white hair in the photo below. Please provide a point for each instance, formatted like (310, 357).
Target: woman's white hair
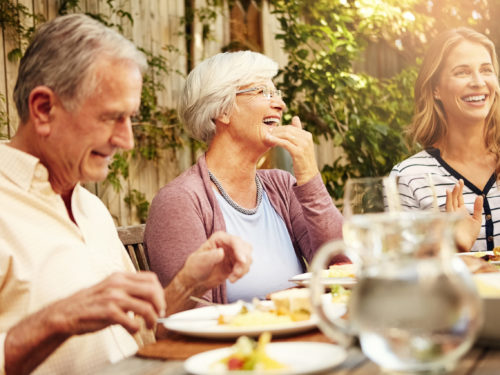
(210, 89)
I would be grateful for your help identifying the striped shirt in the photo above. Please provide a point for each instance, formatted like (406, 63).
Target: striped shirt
(415, 192)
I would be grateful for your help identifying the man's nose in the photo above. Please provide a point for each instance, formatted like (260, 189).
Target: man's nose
(122, 136)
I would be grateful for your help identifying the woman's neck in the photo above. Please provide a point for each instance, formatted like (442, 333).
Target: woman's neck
(229, 162)
(463, 143)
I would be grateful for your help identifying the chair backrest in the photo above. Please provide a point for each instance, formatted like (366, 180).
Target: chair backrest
(133, 239)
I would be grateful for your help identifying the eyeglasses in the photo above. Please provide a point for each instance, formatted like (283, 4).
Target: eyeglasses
(266, 92)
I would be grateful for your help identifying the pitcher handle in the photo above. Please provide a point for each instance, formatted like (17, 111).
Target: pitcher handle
(337, 329)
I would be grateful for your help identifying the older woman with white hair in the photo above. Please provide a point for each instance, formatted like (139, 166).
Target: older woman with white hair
(231, 103)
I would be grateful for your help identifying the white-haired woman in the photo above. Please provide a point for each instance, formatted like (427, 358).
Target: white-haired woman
(231, 103)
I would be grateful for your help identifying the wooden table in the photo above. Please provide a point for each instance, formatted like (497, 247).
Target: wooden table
(479, 360)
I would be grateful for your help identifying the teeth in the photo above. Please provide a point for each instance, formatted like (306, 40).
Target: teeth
(271, 120)
(475, 98)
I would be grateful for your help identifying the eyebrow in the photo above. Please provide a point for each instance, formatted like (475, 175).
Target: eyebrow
(467, 66)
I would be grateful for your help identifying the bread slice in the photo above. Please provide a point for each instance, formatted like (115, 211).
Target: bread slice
(294, 302)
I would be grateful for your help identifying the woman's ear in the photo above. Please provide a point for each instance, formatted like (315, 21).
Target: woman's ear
(224, 118)
(41, 102)
(436, 95)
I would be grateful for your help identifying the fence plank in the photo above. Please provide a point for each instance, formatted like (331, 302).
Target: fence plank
(3, 84)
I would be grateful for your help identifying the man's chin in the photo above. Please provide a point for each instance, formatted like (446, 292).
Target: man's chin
(95, 176)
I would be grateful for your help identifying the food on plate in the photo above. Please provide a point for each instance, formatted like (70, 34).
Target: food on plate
(254, 318)
(249, 355)
(293, 302)
(342, 270)
(288, 306)
(340, 294)
(477, 264)
(488, 284)
(486, 255)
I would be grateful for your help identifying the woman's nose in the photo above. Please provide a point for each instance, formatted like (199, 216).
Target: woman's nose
(477, 80)
(277, 102)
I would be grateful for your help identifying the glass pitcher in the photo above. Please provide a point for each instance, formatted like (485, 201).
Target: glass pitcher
(415, 307)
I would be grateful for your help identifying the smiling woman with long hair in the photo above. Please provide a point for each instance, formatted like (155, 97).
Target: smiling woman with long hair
(457, 117)
(231, 103)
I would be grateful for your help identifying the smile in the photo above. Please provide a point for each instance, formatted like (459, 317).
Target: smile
(271, 121)
(474, 98)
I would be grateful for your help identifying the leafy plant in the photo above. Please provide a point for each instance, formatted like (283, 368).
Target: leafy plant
(4, 123)
(138, 200)
(365, 116)
(14, 18)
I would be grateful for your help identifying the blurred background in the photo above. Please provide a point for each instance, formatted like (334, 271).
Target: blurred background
(347, 69)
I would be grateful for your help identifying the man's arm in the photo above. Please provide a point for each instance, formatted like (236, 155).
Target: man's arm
(33, 339)
(221, 257)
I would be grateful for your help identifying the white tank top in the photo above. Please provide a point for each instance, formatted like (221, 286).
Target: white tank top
(274, 259)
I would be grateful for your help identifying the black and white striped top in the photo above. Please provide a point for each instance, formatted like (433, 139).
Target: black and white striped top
(444, 177)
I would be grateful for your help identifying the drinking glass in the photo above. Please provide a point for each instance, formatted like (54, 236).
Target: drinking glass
(370, 195)
(366, 196)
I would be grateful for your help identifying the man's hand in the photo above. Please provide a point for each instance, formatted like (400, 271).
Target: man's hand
(299, 143)
(34, 338)
(467, 229)
(110, 301)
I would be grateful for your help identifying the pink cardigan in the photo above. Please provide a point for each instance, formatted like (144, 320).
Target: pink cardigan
(185, 213)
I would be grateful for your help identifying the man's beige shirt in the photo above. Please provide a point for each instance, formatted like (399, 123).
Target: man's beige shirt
(44, 256)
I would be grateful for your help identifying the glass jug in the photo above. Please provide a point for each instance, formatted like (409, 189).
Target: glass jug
(415, 307)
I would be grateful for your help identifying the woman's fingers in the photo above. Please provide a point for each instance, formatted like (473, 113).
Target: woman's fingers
(478, 208)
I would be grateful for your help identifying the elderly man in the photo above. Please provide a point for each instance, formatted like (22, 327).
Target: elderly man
(69, 295)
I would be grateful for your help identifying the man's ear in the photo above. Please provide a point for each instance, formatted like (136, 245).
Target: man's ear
(41, 104)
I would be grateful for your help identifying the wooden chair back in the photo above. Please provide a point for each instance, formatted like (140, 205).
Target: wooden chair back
(133, 239)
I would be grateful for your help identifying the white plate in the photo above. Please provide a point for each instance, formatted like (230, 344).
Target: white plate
(202, 322)
(304, 278)
(478, 254)
(301, 357)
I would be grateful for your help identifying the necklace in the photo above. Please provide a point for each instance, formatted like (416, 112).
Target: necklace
(232, 203)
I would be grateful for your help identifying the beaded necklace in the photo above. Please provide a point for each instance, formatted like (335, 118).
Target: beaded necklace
(232, 203)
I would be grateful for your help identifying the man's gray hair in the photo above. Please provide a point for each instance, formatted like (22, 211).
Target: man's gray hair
(210, 89)
(62, 57)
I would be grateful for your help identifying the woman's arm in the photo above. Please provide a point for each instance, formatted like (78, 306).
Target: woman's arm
(175, 228)
(315, 219)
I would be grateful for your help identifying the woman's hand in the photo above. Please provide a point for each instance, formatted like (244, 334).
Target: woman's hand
(467, 229)
(299, 143)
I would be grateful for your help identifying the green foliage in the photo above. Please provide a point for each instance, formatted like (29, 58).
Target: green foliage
(138, 200)
(365, 116)
(14, 20)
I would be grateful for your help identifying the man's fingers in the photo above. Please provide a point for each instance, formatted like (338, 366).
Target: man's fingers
(141, 285)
